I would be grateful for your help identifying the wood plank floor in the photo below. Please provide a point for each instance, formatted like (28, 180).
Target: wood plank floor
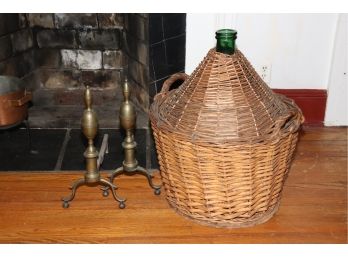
(313, 208)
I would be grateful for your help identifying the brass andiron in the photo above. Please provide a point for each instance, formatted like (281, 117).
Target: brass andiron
(89, 125)
(130, 164)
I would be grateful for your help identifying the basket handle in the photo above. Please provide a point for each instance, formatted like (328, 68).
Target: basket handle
(169, 82)
(295, 117)
(22, 101)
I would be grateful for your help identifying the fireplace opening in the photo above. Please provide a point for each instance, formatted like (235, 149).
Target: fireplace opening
(58, 55)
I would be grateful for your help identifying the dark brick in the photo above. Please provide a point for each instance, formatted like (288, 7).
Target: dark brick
(19, 65)
(100, 39)
(136, 49)
(76, 20)
(22, 20)
(137, 26)
(9, 67)
(112, 59)
(139, 72)
(69, 97)
(56, 38)
(110, 20)
(53, 79)
(5, 47)
(139, 95)
(31, 80)
(106, 96)
(143, 53)
(101, 79)
(144, 15)
(75, 97)
(22, 40)
(48, 58)
(129, 45)
(44, 20)
(9, 22)
(26, 63)
(43, 97)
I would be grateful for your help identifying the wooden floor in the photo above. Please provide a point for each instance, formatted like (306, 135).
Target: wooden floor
(313, 208)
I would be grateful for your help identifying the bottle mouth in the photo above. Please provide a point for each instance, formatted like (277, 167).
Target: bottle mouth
(226, 33)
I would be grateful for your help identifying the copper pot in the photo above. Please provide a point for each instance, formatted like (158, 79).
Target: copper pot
(14, 100)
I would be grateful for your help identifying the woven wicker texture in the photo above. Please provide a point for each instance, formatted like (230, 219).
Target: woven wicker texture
(224, 142)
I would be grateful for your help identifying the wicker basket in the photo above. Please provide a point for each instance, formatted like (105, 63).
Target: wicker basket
(224, 142)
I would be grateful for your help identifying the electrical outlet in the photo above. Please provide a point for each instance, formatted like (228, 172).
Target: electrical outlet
(265, 72)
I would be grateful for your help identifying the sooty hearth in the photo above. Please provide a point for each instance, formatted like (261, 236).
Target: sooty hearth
(57, 55)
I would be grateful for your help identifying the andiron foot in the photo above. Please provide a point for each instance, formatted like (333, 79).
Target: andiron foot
(106, 185)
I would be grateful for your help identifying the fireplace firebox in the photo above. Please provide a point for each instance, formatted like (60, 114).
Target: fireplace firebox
(58, 55)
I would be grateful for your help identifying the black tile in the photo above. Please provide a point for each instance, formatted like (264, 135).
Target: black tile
(167, 55)
(158, 61)
(15, 154)
(175, 52)
(174, 24)
(74, 160)
(155, 28)
(152, 89)
(167, 58)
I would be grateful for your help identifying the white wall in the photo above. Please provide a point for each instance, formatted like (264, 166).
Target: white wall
(337, 107)
(297, 47)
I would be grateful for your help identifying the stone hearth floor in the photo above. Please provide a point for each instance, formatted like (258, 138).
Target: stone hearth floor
(52, 126)
(49, 152)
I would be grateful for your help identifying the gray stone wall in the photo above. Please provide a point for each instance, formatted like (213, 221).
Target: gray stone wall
(75, 50)
(58, 53)
(17, 47)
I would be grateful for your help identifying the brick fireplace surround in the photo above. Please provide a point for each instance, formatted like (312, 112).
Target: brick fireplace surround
(57, 55)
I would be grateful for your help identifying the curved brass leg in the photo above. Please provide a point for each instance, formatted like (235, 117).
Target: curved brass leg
(114, 174)
(111, 178)
(112, 187)
(74, 187)
(142, 171)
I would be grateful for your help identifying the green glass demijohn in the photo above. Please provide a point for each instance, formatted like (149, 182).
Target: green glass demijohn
(226, 41)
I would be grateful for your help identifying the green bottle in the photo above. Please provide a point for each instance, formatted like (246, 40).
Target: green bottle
(226, 41)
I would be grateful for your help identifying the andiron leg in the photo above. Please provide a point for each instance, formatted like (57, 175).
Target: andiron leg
(107, 184)
(142, 171)
(111, 178)
(73, 188)
(139, 170)
(116, 173)
(112, 187)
